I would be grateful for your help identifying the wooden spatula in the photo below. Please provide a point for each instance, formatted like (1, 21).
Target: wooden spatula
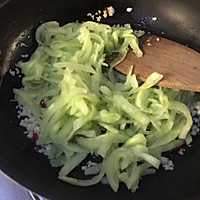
(179, 65)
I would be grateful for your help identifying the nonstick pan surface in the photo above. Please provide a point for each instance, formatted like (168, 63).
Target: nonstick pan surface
(177, 20)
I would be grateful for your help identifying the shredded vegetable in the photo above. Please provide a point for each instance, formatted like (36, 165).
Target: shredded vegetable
(92, 110)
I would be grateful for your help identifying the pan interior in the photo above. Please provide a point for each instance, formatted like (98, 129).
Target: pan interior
(178, 20)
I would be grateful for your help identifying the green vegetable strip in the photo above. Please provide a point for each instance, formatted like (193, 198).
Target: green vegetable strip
(131, 110)
(94, 180)
(92, 109)
(182, 109)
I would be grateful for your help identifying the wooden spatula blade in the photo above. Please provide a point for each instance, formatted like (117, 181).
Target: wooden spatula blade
(179, 65)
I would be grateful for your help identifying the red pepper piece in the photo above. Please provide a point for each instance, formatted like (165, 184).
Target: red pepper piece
(43, 104)
(35, 137)
(37, 148)
(177, 149)
(107, 11)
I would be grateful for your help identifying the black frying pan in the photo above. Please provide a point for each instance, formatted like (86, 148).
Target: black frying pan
(178, 19)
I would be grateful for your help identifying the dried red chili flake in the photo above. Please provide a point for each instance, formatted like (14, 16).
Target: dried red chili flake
(37, 148)
(43, 104)
(107, 10)
(177, 149)
(35, 137)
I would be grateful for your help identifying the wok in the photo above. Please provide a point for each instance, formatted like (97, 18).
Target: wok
(178, 20)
